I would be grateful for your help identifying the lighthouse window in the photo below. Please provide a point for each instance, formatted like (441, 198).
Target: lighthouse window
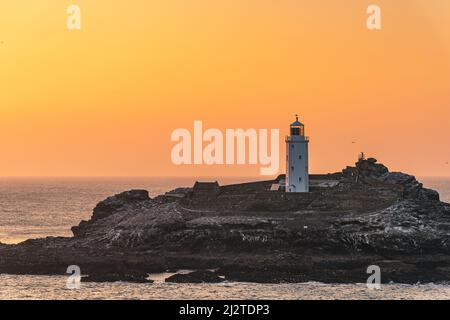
(292, 146)
(300, 157)
(292, 168)
(300, 179)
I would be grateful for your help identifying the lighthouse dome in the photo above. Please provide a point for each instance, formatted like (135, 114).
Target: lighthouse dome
(296, 123)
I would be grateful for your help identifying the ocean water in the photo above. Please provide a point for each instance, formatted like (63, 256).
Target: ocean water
(40, 207)
(54, 288)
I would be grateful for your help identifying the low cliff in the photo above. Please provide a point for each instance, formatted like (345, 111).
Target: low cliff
(369, 216)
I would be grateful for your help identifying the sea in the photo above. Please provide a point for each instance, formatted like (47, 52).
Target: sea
(40, 207)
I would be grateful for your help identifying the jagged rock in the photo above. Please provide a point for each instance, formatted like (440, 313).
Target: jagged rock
(196, 277)
(369, 169)
(114, 203)
(429, 194)
(116, 277)
(111, 206)
(400, 178)
(182, 191)
(79, 231)
(369, 216)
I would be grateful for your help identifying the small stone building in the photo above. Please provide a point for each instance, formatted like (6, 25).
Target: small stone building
(206, 188)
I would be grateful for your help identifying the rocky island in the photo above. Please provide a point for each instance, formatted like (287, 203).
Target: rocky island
(362, 216)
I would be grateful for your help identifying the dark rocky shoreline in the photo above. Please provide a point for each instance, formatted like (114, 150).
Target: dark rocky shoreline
(363, 216)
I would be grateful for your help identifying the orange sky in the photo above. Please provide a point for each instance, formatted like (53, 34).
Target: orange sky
(103, 101)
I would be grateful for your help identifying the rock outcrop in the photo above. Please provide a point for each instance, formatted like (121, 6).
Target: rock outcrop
(367, 216)
(201, 276)
(116, 277)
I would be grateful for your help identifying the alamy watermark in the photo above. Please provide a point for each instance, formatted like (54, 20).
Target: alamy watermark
(74, 280)
(374, 280)
(213, 147)
(74, 19)
(374, 19)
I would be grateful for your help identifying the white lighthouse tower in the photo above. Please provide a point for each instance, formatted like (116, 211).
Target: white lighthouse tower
(297, 176)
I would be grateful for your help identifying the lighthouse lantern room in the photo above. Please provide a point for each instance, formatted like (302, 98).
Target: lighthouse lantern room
(297, 176)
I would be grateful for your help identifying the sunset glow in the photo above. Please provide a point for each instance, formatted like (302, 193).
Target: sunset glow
(103, 101)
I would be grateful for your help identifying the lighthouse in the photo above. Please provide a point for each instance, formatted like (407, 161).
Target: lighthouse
(297, 176)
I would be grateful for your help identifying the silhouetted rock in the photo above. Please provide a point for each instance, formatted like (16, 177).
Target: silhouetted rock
(401, 179)
(116, 277)
(429, 195)
(369, 170)
(117, 202)
(365, 216)
(179, 191)
(196, 277)
(125, 201)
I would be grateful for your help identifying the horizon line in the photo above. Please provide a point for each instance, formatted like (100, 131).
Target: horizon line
(180, 176)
